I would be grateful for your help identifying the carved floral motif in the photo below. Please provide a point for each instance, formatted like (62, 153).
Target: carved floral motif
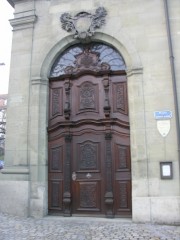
(123, 195)
(55, 101)
(56, 159)
(87, 96)
(88, 195)
(120, 96)
(122, 157)
(88, 156)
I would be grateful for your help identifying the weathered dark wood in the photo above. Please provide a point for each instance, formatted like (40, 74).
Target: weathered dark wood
(87, 164)
(109, 199)
(67, 106)
(55, 176)
(107, 107)
(122, 177)
(67, 177)
(89, 139)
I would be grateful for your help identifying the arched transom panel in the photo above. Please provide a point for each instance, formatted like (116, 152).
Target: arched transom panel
(94, 56)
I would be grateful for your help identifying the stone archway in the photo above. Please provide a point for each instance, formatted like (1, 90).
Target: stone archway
(40, 91)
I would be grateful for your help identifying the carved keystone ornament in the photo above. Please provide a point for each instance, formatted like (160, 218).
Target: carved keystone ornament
(83, 24)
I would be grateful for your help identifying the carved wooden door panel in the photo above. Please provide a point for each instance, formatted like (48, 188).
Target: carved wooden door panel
(87, 98)
(55, 183)
(122, 175)
(87, 173)
(121, 158)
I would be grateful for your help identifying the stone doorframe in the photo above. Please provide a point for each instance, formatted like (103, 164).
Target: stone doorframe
(38, 179)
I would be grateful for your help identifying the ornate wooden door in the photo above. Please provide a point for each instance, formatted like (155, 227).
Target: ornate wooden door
(89, 141)
(87, 173)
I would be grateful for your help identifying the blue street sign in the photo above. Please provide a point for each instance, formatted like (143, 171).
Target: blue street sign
(163, 114)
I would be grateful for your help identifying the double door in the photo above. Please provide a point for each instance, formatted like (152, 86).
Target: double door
(90, 174)
(89, 169)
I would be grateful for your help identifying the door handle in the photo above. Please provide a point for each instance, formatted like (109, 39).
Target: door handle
(74, 176)
(88, 175)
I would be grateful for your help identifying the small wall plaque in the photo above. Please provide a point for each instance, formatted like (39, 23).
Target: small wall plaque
(166, 170)
(163, 114)
(163, 127)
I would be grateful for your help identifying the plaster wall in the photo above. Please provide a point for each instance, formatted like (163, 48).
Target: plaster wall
(137, 30)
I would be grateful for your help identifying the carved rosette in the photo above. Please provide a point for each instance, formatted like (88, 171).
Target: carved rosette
(83, 24)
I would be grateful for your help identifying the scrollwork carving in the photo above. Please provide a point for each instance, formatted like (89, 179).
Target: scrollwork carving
(56, 161)
(88, 156)
(107, 107)
(122, 157)
(123, 195)
(83, 24)
(94, 57)
(87, 60)
(87, 96)
(120, 97)
(88, 195)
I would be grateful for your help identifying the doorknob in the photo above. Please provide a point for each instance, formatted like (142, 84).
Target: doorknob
(74, 176)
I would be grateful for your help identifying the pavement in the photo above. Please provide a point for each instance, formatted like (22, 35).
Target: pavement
(82, 228)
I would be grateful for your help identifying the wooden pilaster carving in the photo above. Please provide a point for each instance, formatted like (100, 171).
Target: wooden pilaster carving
(67, 102)
(107, 107)
(109, 200)
(67, 177)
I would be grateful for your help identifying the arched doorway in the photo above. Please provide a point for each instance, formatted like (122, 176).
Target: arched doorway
(89, 138)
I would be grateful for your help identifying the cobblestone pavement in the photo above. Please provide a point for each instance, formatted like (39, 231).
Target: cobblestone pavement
(74, 228)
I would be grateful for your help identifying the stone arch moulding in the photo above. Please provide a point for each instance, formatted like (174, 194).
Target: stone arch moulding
(125, 48)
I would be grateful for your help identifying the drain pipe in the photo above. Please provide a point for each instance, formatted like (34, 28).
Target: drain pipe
(171, 56)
